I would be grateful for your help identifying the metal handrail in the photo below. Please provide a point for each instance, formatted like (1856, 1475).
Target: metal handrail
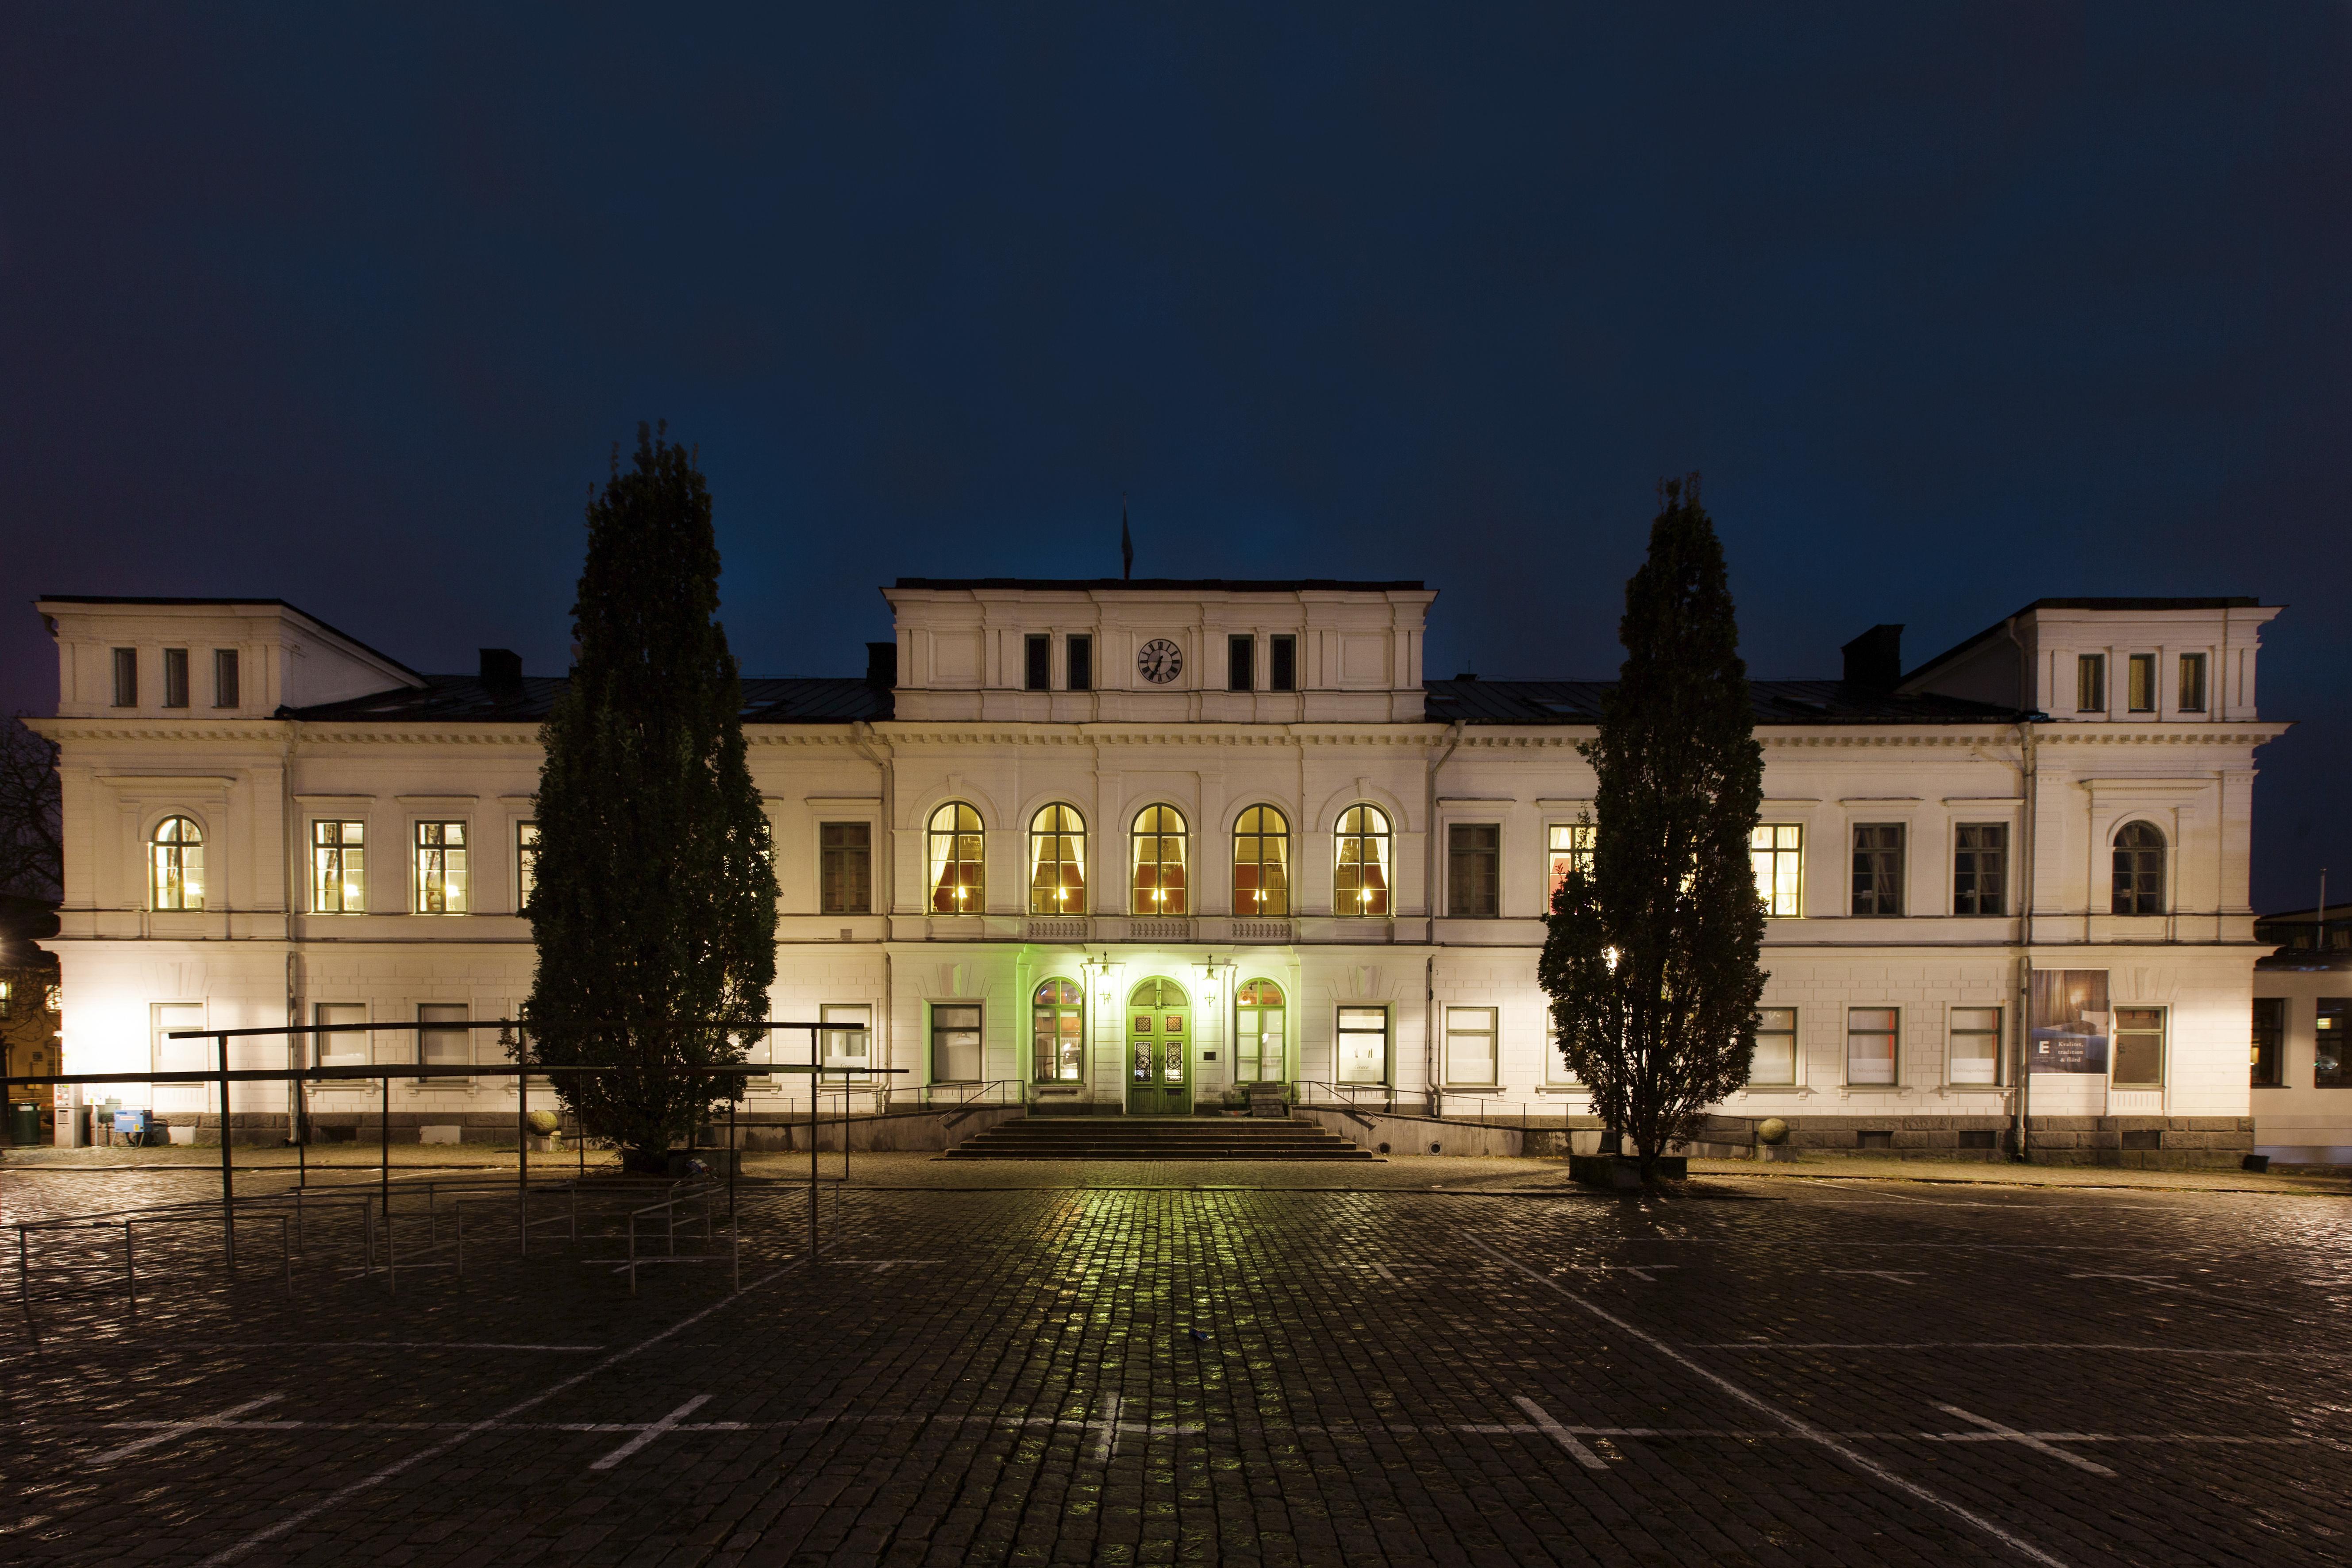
(1344, 1096)
(972, 1092)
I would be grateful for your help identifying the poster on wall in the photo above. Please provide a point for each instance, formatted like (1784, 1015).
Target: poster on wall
(2070, 1021)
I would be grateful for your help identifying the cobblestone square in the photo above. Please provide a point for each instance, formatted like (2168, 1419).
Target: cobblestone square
(1422, 1361)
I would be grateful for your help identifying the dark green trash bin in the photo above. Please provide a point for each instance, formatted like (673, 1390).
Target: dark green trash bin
(24, 1124)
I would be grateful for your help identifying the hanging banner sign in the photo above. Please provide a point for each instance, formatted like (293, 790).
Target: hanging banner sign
(2070, 1022)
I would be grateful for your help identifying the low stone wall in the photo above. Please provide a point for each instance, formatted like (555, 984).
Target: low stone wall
(2157, 1143)
(1400, 1132)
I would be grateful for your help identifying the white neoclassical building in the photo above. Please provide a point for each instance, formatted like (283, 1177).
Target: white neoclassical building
(1131, 847)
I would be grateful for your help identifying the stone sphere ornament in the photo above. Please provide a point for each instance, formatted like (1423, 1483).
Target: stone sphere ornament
(544, 1122)
(1771, 1130)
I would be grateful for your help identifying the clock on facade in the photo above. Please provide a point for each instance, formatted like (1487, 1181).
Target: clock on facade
(1160, 661)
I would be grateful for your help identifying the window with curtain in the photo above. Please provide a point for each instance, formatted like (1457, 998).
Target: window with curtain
(176, 864)
(1979, 868)
(1474, 869)
(845, 860)
(954, 842)
(1058, 862)
(344, 1047)
(1878, 868)
(1058, 1027)
(2270, 1041)
(1258, 1056)
(2192, 683)
(1262, 862)
(339, 867)
(1872, 1036)
(441, 871)
(1974, 1055)
(1777, 852)
(1470, 1054)
(526, 864)
(1363, 1045)
(1572, 850)
(2139, 870)
(1159, 886)
(442, 1040)
(1360, 878)
(1774, 1061)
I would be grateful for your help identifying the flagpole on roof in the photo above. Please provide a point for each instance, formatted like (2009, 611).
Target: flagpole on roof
(1125, 545)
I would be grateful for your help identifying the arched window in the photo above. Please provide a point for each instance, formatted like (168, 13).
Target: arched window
(176, 862)
(1257, 1033)
(1360, 880)
(1262, 862)
(956, 888)
(1058, 1015)
(1159, 886)
(2139, 870)
(1058, 862)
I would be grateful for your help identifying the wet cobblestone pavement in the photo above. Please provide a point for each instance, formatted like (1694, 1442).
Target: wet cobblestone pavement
(1185, 1366)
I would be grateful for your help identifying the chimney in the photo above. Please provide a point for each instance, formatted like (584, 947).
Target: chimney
(501, 669)
(882, 665)
(1874, 662)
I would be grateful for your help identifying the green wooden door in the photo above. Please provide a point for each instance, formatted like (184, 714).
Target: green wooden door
(1158, 1050)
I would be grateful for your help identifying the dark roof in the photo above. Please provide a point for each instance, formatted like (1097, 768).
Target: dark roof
(465, 699)
(2225, 601)
(1474, 701)
(2310, 915)
(174, 599)
(1166, 584)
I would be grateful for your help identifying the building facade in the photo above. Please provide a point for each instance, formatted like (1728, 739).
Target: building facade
(1127, 848)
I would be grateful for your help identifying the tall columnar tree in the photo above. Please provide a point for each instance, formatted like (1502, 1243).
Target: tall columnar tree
(1650, 958)
(654, 905)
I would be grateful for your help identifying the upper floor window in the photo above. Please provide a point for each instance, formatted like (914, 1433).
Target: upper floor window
(175, 677)
(526, 864)
(953, 841)
(1980, 868)
(1262, 862)
(2090, 683)
(176, 865)
(1360, 878)
(1037, 672)
(1474, 871)
(224, 681)
(2140, 685)
(1571, 849)
(1159, 888)
(1240, 663)
(2139, 870)
(441, 879)
(1282, 663)
(2269, 1041)
(2192, 683)
(1078, 654)
(1058, 862)
(339, 867)
(126, 678)
(1878, 868)
(844, 856)
(1059, 1020)
(1777, 852)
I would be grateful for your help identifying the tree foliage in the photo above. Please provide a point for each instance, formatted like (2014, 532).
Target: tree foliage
(32, 828)
(1651, 960)
(655, 908)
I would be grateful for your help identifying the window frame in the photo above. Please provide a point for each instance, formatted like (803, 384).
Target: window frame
(972, 896)
(1493, 1036)
(862, 902)
(1795, 1056)
(1899, 849)
(126, 678)
(1247, 1005)
(2331, 1026)
(2127, 894)
(1364, 836)
(526, 849)
(1775, 852)
(1458, 895)
(1893, 1033)
(1341, 1033)
(1954, 1033)
(425, 1027)
(175, 852)
(228, 686)
(1039, 905)
(1582, 837)
(1042, 1009)
(333, 1028)
(1078, 661)
(2090, 683)
(845, 1015)
(175, 677)
(158, 1025)
(1282, 662)
(936, 1028)
(340, 851)
(2267, 1044)
(1240, 662)
(1259, 837)
(1999, 877)
(2163, 1032)
(2193, 690)
(420, 851)
(1159, 837)
(1037, 662)
(2141, 694)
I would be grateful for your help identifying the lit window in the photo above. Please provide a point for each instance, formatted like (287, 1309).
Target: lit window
(1774, 1063)
(955, 870)
(177, 861)
(342, 1043)
(2090, 683)
(1571, 850)
(1470, 1054)
(955, 1043)
(175, 677)
(2139, 871)
(2139, 1046)
(1363, 1045)
(1158, 840)
(2192, 683)
(526, 864)
(2140, 683)
(1777, 851)
(1473, 874)
(1871, 1034)
(442, 1039)
(1878, 868)
(1258, 1051)
(2331, 1060)
(1360, 880)
(441, 869)
(339, 867)
(1058, 1020)
(1262, 862)
(1058, 862)
(844, 853)
(1979, 868)
(224, 681)
(2269, 1041)
(1975, 1056)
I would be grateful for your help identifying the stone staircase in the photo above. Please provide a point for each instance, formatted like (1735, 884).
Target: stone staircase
(1156, 1138)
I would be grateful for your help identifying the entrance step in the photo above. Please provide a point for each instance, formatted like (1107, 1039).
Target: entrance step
(1156, 1138)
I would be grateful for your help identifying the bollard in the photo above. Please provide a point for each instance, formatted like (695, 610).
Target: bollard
(129, 1272)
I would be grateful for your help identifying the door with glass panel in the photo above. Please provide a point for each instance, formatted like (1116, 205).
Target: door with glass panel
(1258, 1056)
(1158, 1050)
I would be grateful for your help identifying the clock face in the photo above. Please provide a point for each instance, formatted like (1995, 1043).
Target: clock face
(1160, 661)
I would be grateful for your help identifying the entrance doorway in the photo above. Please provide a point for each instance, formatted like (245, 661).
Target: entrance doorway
(1158, 1050)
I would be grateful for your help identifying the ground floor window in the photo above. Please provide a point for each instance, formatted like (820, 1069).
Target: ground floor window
(1059, 1021)
(847, 1040)
(1774, 1063)
(438, 1043)
(179, 1056)
(2139, 1046)
(2330, 1070)
(955, 1042)
(1872, 1035)
(1975, 1053)
(1363, 1045)
(1258, 1054)
(1470, 1046)
(2269, 1039)
(341, 1045)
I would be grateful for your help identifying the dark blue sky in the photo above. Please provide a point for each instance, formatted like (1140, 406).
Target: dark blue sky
(1956, 306)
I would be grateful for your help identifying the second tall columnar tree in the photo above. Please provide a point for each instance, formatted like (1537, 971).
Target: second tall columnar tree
(1651, 960)
(654, 907)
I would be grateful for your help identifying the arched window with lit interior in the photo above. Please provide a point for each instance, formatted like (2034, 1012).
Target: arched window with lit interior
(1058, 1019)
(175, 858)
(2139, 870)
(1058, 862)
(1360, 878)
(1160, 887)
(954, 859)
(1262, 862)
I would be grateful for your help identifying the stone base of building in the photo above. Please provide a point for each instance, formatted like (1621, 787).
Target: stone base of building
(914, 1130)
(2154, 1143)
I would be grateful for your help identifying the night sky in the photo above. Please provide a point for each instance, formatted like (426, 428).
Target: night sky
(1955, 307)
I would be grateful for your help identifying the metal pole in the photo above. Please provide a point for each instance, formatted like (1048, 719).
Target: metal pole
(522, 1152)
(384, 1135)
(228, 1178)
(301, 1135)
(811, 1082)
(734, 1151)
(129, 1272)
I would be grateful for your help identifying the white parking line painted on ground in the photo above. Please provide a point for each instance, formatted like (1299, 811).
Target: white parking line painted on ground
(171, 1429)
(1892, 1275)
(2008, 1345)
(650, 1431)
(1560, 1434)
(2159, 1281)
(1643, 1272)
(1382, 1270)
(1105, 1429)
(2010, 1434)
(1795, 1424)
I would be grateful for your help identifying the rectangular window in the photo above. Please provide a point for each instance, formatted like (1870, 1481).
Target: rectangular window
(2139, 1046)
(1979, 868)
(1241, 663)
(7, 999)
(442, 1039)
(175, 677)
(526, 864)
(844, 868)
(1974, 1053)
(126, 678)
(2090, 683)
(1037, 674)
(345, 1047)
(179, 1056)
(1878, 868)
(955, 1043)
(2269, 1042)
(1079, 651)
(1282, 664)
(1777, 851)
(1474, 869)
(225, 683)
(440, 867)
(848, 1043)
(2329, 1067)
(2141, 685)
(1470, 1054)
(1363, 1049)
(1775, 1061)
(339, 867)
(1872, 1035)
(1571, 849)
(2192, 683)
